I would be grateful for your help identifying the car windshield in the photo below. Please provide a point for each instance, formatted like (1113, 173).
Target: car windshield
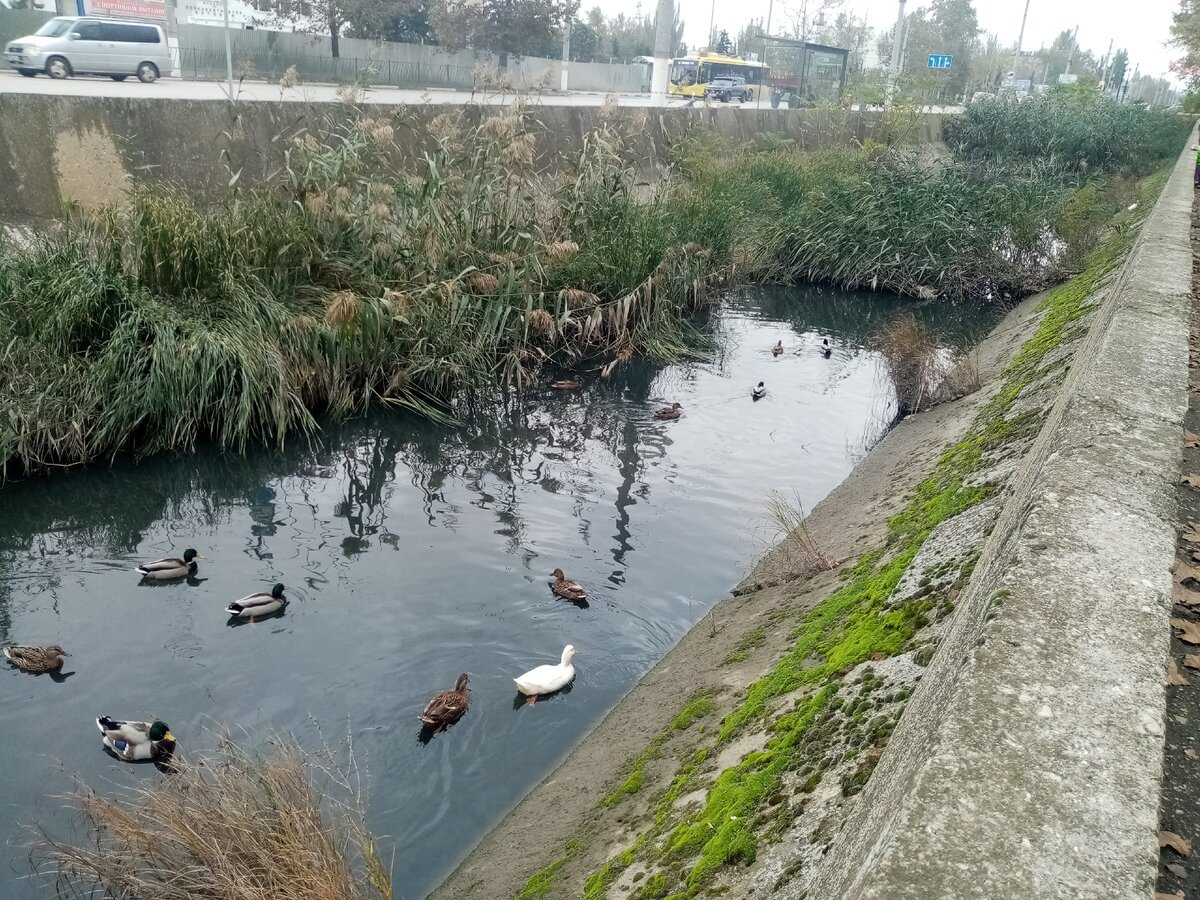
(722, 82)
(55, 28)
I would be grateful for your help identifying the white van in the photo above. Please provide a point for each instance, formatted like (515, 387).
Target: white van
(74, 45)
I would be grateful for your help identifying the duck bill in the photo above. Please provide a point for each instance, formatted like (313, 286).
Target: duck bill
(169, 737)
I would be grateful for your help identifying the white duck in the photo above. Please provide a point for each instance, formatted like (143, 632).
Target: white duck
(548, 679)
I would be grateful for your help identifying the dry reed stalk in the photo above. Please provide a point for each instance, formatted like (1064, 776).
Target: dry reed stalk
(230, 825)
(342, 309)
(796, 552)
(910, 357)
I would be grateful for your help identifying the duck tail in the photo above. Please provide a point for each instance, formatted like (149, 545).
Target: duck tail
(142, 570)
(234, 609)
(106, 723)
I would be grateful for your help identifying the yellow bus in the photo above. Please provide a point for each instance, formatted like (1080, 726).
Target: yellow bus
(690, 75)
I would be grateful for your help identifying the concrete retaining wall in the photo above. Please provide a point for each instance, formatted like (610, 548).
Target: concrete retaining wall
(57, 150)
(1028, 763)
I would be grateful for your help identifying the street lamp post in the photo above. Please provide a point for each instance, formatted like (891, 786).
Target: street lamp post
(894, 72)
(1020, 39)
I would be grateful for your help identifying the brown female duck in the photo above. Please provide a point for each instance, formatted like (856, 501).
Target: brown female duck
(568, 590)
(447, 707)
(36, 660)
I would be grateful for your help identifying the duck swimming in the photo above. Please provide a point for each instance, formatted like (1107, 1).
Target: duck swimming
(261, 604)
(566, 384)
(447, 707)
(669, 413)
(134, 741)
(568, 590)
(759, 391)
(547, 679)
(777, 350)
(36, 660)
(171, 567)
(825, 348)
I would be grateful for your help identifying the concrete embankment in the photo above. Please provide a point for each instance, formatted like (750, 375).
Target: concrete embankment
(68, 150)
(972, 704)
(1028, 764)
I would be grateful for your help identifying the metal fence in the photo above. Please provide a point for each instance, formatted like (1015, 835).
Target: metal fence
(16, 23)
(195, 63)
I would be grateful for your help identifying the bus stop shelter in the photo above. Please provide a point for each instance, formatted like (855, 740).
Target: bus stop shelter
(803, 74)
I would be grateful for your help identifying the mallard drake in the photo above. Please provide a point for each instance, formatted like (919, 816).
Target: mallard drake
(133, 741)
(36, 659)
(566, 384)
(547, 679)
(261, 604)
(759, 391)
(172, 567)
(674, 411)
(568, 590)
(825, 348)
(447, 707)
(777, 350)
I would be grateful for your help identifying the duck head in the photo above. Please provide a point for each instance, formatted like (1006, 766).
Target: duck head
(277, 591)
(569, 653)
(558, 574)
(189, 554)
(463, 681)
(160, 732)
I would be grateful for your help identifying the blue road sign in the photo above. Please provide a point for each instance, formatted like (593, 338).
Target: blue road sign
(940, 60)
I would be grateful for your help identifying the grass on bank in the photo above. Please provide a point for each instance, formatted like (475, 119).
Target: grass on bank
(353, 280)
(232, 825)
(848, 628)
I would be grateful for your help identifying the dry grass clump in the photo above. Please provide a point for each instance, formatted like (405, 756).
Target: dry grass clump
(541, 323)
(560, 250)
(342, 309)
(484, 283)
(962, 377)
(232, 825)
(911, 358)
(795, 552)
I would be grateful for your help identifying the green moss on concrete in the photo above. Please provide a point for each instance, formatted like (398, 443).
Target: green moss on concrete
(853, 624)
(543, 880)
(696, 709)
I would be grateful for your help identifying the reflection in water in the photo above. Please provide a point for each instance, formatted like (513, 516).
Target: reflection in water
(418, 552)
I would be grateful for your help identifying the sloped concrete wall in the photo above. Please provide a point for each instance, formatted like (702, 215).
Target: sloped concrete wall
(1029, 762)
(201, 145)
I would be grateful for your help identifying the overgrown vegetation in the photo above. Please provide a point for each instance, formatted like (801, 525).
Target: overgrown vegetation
(351, 280)
(233, 825)
(853, 625)
(1070, 129)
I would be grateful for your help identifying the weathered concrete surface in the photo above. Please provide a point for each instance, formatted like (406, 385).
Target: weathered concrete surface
(1028, 763)
(201, 144)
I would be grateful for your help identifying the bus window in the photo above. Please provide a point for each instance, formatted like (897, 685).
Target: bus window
(683, 72)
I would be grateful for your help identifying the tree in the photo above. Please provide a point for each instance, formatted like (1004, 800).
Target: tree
(750, 39)
(955, 25)
(724, 44)
(585, 42)
(403, 21)
(309, 17)
(1185, 34)
(850, 32)
(805, 21)
(517, 27)
(624, 37)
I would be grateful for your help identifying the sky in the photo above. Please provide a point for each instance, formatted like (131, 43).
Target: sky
(1141, 27)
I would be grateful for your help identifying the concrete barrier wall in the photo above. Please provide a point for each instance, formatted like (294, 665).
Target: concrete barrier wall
(1029, 762)
(266, 55)
(57, 150)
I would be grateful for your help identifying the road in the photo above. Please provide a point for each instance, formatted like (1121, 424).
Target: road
(176, 89)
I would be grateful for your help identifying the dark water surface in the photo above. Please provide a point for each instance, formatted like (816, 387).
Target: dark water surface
(413, 552)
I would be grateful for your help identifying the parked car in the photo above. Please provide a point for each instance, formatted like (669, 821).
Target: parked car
(726, 89)
(77, 45)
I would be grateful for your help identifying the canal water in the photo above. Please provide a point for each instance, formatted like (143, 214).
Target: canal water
(413, 552)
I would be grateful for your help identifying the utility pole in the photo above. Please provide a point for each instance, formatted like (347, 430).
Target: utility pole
(566, 60)
(228, 50)
(1107, 63)
(1074, 46)
(894, 73)
(660, 77)
(1020, 39)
